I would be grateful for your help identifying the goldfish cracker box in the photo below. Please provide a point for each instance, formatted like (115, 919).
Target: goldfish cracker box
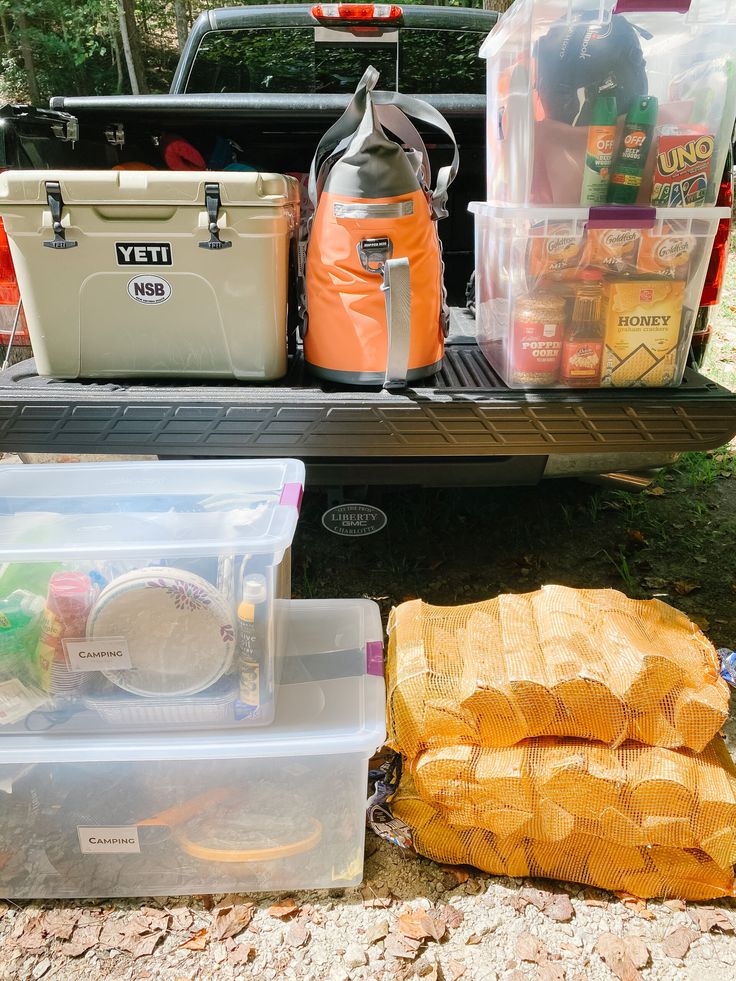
(643, 333)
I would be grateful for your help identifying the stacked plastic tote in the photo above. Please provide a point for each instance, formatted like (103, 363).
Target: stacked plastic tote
(608, 130)
(170, 722)
(569, 734)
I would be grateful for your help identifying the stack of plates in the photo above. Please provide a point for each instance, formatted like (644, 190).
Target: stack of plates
(178, 628)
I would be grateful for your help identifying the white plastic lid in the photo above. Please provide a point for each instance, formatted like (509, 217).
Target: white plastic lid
(341, 711)
(189, 508)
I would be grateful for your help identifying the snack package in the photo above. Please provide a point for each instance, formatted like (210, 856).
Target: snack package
(642, 333)
(667, 254)
(682, 169)
(612, 250)
(556, 254)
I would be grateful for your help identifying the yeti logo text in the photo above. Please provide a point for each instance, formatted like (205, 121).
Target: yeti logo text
(143, 253)
(149, 289)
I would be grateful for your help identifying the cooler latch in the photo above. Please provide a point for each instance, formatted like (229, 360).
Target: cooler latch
(212, 203)
(56, 206)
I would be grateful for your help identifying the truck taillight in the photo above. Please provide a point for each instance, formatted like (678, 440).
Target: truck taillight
(719, 255)
(9, 295)
(353, 12)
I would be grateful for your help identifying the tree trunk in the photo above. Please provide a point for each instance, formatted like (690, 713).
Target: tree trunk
(131, 46)
(6, 31)
(27, 54)
(500, 5)
(182, 22)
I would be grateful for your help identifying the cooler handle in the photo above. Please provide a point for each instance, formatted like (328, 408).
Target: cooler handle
(212, 203)
(56, 207)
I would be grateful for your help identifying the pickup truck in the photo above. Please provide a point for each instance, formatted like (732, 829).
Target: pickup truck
(271, 79)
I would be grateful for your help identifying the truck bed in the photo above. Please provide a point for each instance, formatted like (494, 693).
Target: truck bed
(464, 412)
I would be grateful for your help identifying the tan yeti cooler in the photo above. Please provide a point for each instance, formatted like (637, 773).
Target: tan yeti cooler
(144, 273)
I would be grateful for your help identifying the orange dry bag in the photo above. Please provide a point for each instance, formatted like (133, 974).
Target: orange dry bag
(375, 300)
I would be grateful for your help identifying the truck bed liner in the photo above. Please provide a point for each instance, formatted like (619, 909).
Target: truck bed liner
(463, 411)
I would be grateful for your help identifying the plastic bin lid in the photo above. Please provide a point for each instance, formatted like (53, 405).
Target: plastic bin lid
(335, 704)
(118, 510)
(149, 187)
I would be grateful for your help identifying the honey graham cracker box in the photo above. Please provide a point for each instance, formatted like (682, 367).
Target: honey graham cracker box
(643, 333)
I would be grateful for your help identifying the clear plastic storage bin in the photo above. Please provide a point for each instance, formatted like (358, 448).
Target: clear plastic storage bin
(164, 815)
(555, 136)
(605, 297)
(143, 595)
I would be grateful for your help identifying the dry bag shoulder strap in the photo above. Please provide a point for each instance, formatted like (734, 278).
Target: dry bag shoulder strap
(397, 294)
(425, 113)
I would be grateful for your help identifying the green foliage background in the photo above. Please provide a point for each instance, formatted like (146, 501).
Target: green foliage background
(75, 45)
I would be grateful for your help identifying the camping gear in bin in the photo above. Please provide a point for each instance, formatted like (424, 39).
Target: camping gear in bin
(375, 303)
(145, 273)
(615, 100)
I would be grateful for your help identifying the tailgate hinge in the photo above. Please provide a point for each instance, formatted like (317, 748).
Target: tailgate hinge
(212, 203)
(66, 129)
(56, 206)
(115, 134)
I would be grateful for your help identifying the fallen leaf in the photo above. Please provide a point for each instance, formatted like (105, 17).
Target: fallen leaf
(556, 905)
(623, 955)
(143, 945)
(676, 905)
(708, 919)
(635, 905)
(241, 954)
(285, 909)
(457, 969)
(530, 948)
(431, 974)
(298, 934)
(376, 896)
(451, 915)
(60, 923)
(82, 940)
(377, 932)
(228, 921)
(397, 945)
(473, 939)
(598, 903)
(198, 941)
(684, 587)
(551, 972)
(457, 872)
(677, 943)
(637, 537)
(421, 924)
(147, 920)
(655, 491)
(181, 919)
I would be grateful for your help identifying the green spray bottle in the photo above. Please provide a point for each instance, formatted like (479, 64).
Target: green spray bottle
(627, 173)
(599, 153)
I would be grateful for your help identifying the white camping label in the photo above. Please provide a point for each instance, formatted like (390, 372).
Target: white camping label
(111, 840)
(100, 654)
(149, 289)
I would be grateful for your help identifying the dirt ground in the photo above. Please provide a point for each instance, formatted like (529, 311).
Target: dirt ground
(674, 541)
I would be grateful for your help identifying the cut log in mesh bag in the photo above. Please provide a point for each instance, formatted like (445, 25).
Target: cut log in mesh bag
(590, 664)
(645, 820)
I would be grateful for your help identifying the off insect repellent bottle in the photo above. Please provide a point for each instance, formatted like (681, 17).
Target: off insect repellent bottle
(627, 173)
(599, 154)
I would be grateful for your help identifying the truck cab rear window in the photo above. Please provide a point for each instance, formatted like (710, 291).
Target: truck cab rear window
(328, 60)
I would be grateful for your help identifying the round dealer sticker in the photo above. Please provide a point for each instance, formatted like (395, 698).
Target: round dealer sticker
(149, 289)
(354, 520)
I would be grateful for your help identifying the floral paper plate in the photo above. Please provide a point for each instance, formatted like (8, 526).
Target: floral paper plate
(178, 628)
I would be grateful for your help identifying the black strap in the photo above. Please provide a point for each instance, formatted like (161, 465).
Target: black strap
(56, 207)
(212, 203)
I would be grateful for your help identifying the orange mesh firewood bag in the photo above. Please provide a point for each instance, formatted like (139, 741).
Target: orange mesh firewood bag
(642, 819)
(589, 664)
